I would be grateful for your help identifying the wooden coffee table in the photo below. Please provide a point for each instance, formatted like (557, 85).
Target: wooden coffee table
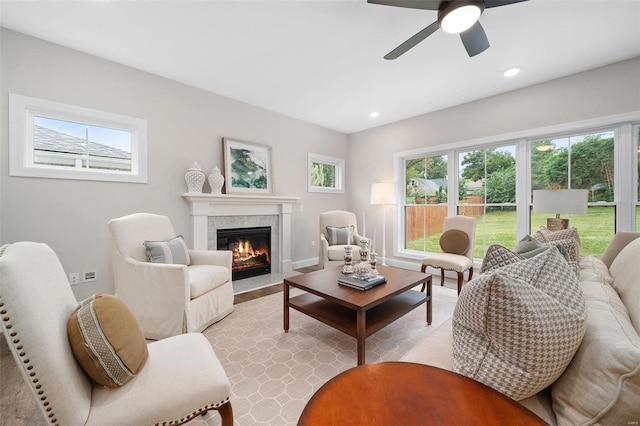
(394, 393)
(355, 312)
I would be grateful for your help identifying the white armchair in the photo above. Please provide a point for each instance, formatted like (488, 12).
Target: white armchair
(333, 254)
(181, 379)
(168, 299)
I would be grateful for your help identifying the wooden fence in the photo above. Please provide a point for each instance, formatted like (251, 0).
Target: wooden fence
(429, 218)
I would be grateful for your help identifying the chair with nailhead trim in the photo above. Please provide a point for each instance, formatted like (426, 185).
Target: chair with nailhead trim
(181, 380)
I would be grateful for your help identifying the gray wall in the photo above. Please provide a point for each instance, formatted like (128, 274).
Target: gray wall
(601, 92)
(184, 125)
(187, 124)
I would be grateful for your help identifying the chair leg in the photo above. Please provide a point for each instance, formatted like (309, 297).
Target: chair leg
(226, 413)
(424, 285)
(470, 273)
(460, 277)
(441, 277)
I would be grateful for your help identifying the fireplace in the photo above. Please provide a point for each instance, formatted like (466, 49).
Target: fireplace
(251, 248)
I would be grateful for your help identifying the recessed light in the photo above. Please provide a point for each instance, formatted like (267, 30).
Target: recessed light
(374, 114)
(511, 72)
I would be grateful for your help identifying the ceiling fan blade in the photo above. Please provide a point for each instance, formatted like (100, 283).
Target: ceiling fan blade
(413, 4)
(496, 3)
(475, 39)
(412, 41)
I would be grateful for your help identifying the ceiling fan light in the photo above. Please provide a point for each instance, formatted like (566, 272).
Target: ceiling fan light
(460, 19)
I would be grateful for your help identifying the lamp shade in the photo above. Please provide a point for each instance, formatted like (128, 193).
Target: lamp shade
(559, 201)
(382, 193)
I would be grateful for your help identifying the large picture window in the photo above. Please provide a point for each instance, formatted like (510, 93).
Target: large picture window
(494, 179)
(425, 201)
(53, 140)
(582, 161)
(487, 191)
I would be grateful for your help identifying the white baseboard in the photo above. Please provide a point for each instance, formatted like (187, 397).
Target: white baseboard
(305, 263)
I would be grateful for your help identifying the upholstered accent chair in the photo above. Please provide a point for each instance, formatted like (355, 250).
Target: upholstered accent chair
(457, 244)
(181, 379)
(168, 299)
(335, 226)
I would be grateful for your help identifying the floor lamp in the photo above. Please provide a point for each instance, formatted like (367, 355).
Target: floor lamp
(558, 201)
(383, 193)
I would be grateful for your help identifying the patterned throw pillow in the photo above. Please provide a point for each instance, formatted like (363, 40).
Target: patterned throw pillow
(498, 256)
(106, 340)
(340, 235)
(517, 328)
(172, 251)
(563, 236)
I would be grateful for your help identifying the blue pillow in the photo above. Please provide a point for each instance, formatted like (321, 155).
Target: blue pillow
(172, 251)
(340, 236)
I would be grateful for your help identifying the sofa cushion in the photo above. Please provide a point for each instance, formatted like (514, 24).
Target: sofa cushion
(625, 270)
(336, 252)
(516, 328)
(204, 278)
(602, 383)
(340, 235)
(107, 340)
(172, 251)
(454, 241)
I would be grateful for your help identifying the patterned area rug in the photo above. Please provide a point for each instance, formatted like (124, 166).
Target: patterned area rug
(274, 374)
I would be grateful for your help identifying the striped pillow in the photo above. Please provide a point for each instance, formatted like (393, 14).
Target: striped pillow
(340, 236)
(171, 251)
(106, 340)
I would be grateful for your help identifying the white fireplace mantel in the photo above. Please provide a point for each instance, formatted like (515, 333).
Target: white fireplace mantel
(203, 206)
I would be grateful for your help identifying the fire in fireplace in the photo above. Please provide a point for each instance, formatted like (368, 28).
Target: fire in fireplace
(251, 248)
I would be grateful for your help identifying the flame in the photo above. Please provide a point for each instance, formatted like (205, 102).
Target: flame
(245, 252)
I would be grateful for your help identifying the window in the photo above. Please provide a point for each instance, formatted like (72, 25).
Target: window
(53, 140)
(493, 179)
(425, 201)
(326, 174)
(487, 191)
(582, 161)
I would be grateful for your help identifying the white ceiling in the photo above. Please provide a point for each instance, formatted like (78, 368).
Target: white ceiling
(322, 61)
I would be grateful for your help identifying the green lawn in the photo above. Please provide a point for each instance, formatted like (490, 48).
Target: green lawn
(595, 228)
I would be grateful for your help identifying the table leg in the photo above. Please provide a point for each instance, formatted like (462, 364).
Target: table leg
(361, 327)
(286, 306)
(429, 297)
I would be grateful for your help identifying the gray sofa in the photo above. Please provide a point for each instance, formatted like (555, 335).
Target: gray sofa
(601, 384)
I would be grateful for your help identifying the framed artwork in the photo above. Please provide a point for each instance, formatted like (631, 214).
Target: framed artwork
(247, 167)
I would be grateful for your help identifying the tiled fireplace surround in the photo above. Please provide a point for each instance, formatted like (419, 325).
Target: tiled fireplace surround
(212, 212)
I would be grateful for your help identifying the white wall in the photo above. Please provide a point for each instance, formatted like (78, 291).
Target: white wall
(606, 91)
(185, 124)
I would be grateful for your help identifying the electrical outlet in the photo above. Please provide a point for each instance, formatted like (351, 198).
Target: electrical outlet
(301, 208)
(74, 278)
(313, 244)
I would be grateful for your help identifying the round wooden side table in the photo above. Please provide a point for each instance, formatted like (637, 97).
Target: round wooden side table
(394, 393)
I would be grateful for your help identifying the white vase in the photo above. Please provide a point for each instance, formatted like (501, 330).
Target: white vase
(216, 180)
(194, 178)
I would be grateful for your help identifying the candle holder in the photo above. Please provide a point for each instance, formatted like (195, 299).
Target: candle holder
(373, 261)
(348, 260)
(364, 250)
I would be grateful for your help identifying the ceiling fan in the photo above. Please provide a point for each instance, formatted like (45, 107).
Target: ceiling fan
(454, 16)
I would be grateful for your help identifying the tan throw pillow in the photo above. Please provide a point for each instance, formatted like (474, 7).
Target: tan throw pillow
(454, 241)
(625, 270)
(516, 328)
(106, 340)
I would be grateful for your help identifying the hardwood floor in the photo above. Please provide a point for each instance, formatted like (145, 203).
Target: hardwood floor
(17, 405)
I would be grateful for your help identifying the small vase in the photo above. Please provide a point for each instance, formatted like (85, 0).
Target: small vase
(216, 180)
(194, 178)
